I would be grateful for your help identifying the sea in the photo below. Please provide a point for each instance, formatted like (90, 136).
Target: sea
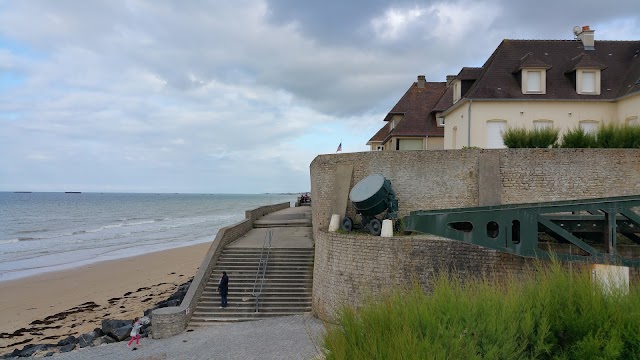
(42, 232)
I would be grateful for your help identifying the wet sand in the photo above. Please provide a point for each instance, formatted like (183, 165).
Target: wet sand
(49, 307)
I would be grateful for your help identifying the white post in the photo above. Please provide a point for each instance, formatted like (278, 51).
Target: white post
(611, 278)
(387, 228)
(334, 224)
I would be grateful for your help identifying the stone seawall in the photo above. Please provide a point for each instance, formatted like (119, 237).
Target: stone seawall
(350, 267)
(171, 321)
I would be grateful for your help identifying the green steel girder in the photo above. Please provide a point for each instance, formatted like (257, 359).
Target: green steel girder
(514, 228)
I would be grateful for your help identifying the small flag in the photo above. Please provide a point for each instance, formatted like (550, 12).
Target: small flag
(339, 147)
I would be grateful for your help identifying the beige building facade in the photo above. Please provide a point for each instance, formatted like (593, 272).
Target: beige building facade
(478, 123)
(564, 84)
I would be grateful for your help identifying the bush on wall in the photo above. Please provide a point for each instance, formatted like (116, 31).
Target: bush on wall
(535, 138)
(607, 136)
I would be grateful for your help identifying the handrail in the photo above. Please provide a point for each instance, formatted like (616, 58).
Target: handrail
(262, 266)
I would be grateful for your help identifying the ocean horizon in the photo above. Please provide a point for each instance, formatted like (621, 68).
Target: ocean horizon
(48, 231)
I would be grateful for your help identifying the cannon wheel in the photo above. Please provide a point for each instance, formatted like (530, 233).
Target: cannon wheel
(347, 224)
(375, 227)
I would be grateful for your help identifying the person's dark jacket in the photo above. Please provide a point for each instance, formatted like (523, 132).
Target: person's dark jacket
(223, 287)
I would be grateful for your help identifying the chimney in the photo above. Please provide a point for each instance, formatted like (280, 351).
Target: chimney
(588, 38)
(450, 79)
(422, 82)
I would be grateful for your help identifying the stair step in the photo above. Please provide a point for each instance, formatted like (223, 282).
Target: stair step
(214, 306)
(230, 317)
(229, 312)
(231, 249)
(265, 292)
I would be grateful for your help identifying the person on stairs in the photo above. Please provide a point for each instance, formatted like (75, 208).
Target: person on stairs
(223, 288)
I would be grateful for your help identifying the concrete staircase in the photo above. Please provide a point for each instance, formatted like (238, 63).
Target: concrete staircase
(286, 291)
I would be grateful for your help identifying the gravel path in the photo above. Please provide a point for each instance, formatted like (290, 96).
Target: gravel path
(290, 337)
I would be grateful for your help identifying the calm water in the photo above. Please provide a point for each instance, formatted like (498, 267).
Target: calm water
(42, 232)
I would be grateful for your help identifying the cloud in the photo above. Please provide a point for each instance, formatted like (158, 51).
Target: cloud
(232, 96)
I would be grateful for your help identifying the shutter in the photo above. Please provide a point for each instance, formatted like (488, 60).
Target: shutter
(494, 134)
(411, 144)
(589, 127)
(588, 82)
(533, 81)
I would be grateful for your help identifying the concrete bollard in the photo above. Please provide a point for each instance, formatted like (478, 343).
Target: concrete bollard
(335, 223)
(387, 228)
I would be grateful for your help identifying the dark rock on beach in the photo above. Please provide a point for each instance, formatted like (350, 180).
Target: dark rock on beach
(106, 339)
(68, 340)
(108, 325)
(67, 348)
(85, 340)
(120, 333)
(31, 349)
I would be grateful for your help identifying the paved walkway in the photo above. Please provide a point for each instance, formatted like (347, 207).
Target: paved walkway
(290, 229)
(289, 337)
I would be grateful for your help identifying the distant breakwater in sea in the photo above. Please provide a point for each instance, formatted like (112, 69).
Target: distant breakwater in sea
(42, 232)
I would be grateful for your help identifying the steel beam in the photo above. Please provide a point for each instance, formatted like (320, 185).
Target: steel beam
(514, 228)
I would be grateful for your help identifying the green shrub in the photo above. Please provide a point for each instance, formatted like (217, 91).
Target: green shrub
(555, 313)
(536, 138)
(609, 135)
(578, 138)
(617, 136)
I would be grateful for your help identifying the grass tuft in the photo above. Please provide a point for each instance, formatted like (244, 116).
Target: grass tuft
(554, 313)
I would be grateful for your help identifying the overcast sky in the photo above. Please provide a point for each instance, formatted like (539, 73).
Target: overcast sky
(234, 96)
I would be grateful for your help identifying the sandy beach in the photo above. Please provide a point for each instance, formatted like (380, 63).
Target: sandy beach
(46, 308)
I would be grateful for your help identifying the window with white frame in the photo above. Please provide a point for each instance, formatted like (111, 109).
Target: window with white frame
(542, 124)
(534, 81)
(588, 82)
(457, 92)
(632, 121)
(589, 126)
(380, 147)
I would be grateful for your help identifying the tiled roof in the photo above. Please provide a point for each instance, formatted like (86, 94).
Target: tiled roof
(416, 105)
(531, 61)
(445, 101)
(381, 134)
(469, 73)
(584, 61)
(620, 59)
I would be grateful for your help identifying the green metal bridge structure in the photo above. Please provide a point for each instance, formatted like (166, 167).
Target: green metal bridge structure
(594, 226)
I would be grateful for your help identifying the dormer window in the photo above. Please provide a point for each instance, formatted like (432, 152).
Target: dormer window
(394, 121)
(588, 81)
(457, 91)
(533, 74)
(587, 74)
(534, 81)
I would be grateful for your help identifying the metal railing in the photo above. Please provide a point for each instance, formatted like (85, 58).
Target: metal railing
(262, 268)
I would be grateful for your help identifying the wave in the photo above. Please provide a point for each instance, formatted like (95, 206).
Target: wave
(30, 231)
(10, 241)
(140, 223)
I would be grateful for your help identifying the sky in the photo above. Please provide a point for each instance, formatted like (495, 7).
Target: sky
(234, 96)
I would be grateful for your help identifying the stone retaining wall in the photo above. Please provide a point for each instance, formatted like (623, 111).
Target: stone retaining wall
(171, 321)
(349, 267)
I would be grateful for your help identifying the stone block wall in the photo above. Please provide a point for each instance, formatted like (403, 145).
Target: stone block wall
(349, 267)
(171, 321)
(529, 175)
(421, 179)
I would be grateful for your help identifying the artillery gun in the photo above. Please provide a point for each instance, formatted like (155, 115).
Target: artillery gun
(371, 197)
